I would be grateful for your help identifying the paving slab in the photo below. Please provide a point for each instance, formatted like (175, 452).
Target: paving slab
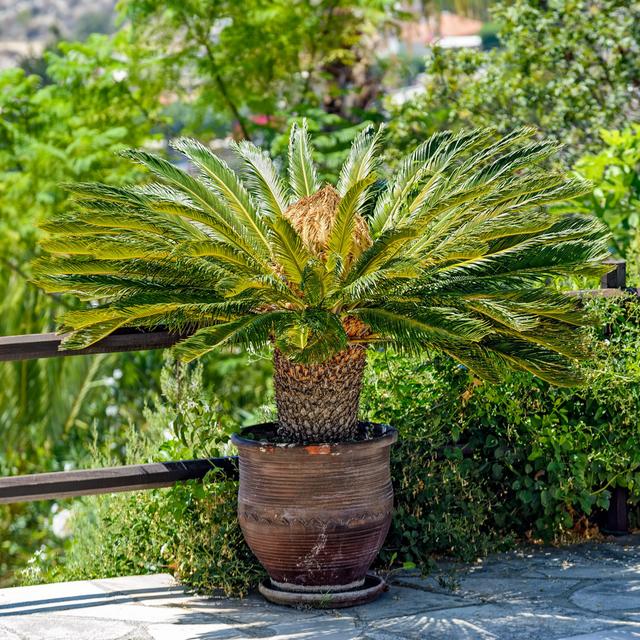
(524, 622)
(620, 596)
(583, 592)
(621, 633)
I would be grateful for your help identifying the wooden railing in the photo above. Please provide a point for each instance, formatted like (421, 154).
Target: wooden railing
(65, 484)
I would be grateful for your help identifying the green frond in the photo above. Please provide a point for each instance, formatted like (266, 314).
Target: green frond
(303, 176)
(72, 224)
(511, 162)
(545, 363)
(289, 250)
(411, 170)
(380, 283)
(251, 332)
(340, 241)
(209, 208)
(61, 265)
(90, 335)
(483, 362)
(225, 256)
(227, 185)
(504, 315)
(105, 192)
(315, 284)
(311, 336)
(492, 358)
(266, 289)
(548, 304)
(84, 318)
(421, 328)
(384, 249)
(442, 164)
(263, 178)
(362, 161)
(110, 247)
(555, 336)
(151, 197)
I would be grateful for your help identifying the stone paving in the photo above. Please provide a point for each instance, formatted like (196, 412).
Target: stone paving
(585, 592)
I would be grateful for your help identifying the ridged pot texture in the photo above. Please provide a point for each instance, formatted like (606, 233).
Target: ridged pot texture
(315, 516)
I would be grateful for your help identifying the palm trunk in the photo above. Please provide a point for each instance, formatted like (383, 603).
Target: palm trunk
(319, 402)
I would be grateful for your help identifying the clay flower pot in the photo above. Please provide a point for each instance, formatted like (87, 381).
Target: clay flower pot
(316, 515)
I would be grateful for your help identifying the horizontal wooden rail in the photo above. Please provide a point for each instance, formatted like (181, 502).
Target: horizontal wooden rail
(604, 293)
(66, 484)
(47, 345)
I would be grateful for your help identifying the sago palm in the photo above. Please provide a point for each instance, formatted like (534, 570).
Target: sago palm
(453, 253)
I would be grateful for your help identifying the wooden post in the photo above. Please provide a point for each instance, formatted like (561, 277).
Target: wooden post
(617, 522)
(617, 277)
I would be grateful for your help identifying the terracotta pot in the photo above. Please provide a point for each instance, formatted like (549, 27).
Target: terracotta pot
(315, 515)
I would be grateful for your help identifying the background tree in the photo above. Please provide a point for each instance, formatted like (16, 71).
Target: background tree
(570, 67)
(256, 58)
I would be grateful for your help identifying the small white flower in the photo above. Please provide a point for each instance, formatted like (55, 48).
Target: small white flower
(117, 374)
(119, 75)
(111, 410)
(60, 524)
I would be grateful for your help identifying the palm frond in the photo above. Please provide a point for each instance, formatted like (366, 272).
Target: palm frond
(228, 186)
(289, 250)
(411, 170)
(251, 331)
(340, 241)
(263, 178)
(110, 246)
(209, 208)
(303, 176)
(362, 161)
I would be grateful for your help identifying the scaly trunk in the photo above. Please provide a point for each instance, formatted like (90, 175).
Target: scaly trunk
(319, 402)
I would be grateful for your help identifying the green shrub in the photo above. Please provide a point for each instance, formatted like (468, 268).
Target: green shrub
(615, 199)
(444, 505)
(568, 67)
(190, 529)
(539, 458)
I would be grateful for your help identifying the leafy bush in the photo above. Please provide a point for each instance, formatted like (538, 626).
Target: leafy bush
(566, 66)
(615, 199)
(189, 529)
(538, 459)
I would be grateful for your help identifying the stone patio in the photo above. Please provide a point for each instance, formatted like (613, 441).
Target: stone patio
(586, 592)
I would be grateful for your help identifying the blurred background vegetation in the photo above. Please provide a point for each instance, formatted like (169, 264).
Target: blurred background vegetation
(79, 84)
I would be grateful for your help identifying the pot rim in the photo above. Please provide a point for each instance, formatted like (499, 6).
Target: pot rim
(388, 436)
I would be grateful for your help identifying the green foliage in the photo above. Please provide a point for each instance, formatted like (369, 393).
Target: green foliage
(443, 502)
(257, 57)
(96, 98)
(615, 199)
(65, 131)
(568, 67)
(460, 253)
(190, 529)
(539, 459)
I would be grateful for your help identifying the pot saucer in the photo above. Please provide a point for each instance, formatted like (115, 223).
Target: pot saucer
(373, 586)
